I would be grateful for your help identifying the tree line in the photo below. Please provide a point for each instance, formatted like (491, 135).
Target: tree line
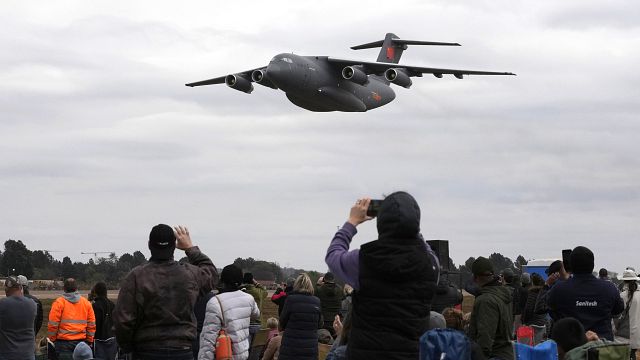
(41, 265)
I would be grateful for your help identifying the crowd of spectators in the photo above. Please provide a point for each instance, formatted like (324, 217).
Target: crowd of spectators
(393, 296)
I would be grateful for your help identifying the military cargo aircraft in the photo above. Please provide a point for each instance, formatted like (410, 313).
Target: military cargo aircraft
(323, 83)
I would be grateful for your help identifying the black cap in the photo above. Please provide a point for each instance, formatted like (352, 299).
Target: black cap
(231, 277)
(555, 267)
(582, 260)
(603, 273)
(482, 266)
(328, 277)
(162, 242)
(247, 278)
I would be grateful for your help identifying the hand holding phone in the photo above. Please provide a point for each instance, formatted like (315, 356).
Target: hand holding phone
(358, 213)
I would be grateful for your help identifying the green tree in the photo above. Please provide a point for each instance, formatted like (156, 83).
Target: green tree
(139, 258)
(16, 259)
(500, 262)
(68, 271)
(520, 262)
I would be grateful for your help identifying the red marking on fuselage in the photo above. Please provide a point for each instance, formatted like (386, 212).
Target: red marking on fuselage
(390, 53)
(375, 96)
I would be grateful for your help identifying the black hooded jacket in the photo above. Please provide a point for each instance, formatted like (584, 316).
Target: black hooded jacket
(397, 283)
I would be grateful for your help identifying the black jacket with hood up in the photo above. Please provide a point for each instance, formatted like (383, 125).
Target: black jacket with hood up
(397, 283)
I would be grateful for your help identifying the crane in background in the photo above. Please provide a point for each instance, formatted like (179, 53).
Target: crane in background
(95, 253)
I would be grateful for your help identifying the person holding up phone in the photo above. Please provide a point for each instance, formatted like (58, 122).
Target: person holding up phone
(398, 272)
(584, 297)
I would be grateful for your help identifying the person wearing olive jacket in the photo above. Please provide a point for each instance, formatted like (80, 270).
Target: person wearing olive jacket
(491, 322)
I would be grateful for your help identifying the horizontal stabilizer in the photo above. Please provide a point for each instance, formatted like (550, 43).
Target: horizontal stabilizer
(418, 42)
(379, 43)
(371, 45)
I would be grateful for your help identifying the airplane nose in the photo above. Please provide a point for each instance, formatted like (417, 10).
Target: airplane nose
(275, 72)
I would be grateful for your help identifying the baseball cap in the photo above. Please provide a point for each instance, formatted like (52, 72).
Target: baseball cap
(555, 267)
(23, 280)
(482, 266)
(162, 242)
(12, 283)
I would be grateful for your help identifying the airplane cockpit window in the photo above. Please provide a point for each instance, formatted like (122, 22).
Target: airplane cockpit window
(287, 60)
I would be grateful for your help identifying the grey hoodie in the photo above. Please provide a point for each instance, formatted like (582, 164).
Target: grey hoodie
(73, 297)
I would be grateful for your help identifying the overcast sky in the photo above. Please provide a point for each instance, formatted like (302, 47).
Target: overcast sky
(100, 139)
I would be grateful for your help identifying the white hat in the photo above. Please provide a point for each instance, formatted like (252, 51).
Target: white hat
(22, 280)
(629, 275)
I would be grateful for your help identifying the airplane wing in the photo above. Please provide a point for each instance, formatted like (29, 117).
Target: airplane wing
(221, 79)
(380, 67)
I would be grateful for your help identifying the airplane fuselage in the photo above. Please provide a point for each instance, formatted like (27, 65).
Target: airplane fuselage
(312, 83)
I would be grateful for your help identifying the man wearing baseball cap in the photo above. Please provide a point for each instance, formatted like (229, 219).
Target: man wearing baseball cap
(491, 322)
(154, 316)
(17, 314)
(24, 282)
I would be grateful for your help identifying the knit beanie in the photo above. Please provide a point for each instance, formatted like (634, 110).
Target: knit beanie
(82, 352)
(231, 277)
(582, 260)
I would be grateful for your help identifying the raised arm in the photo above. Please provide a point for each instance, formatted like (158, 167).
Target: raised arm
(342, 262)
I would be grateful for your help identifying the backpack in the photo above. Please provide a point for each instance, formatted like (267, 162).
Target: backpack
(106, 327)
(444, 344)
(547, 350)
(600, 350)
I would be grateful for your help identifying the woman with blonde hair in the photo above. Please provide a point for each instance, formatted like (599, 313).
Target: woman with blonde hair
(300, 320)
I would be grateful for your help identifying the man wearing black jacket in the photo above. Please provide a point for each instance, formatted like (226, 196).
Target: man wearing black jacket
(584, 297)
(105, 345)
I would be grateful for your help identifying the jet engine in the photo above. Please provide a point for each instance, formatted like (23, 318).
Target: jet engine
(398, 77)
(354, 74)
(239, 82)
(260, 77)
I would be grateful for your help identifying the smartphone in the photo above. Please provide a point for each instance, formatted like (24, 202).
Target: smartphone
(374, 207)
(566, 259)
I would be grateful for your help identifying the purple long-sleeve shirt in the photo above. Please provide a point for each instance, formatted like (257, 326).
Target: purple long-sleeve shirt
(345, 264)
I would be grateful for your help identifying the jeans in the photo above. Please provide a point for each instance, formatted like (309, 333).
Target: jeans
(64, 348)
(164, 354)
(253, 330)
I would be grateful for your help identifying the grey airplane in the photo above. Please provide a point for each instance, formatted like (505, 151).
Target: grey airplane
(323, 83)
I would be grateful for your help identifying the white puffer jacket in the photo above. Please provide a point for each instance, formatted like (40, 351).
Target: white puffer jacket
(238, 307)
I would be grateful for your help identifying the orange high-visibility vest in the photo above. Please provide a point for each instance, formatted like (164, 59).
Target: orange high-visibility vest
(71, 321)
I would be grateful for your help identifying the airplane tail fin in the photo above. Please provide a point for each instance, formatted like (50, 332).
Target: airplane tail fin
(392, 47)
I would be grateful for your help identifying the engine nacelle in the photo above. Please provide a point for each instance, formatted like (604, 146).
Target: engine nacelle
(354, 74)
(260, 77)
(398, 77)
(239, 82)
